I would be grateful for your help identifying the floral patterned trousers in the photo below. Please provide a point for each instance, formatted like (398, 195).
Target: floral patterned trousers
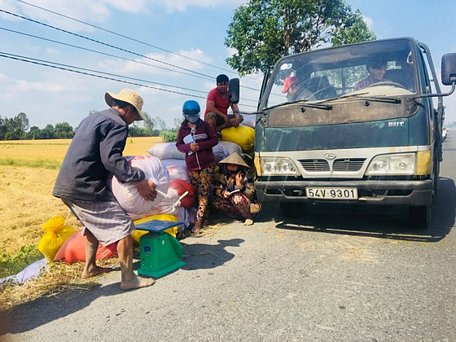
(201, 182)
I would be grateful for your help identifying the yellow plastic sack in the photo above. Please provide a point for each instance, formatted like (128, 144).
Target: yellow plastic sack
(136, 235)
(55, 234)
(242, 135)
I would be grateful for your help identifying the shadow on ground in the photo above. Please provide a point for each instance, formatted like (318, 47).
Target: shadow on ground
(373, 221)
(203, 256)
(28, 316)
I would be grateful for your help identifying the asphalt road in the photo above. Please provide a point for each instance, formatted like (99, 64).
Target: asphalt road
(335, 274)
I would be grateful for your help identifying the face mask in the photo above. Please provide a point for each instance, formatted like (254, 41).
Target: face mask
(192, 118)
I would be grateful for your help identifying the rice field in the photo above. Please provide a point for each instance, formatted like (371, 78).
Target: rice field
(28, 169)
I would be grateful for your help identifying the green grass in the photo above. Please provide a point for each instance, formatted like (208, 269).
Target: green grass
(38, 164)
(168, 136)
(13, 264)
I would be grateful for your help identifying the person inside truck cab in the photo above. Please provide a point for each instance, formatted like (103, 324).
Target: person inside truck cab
(376, 68)
(290, 87)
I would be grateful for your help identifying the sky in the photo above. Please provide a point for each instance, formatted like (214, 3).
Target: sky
(170, 50)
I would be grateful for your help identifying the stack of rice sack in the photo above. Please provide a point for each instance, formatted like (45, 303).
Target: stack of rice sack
(179, 181)
(171, 156)
(165, 207)
(62, 243)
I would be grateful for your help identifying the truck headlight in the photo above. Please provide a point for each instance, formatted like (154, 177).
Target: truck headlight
(392, 164)
(273, 166)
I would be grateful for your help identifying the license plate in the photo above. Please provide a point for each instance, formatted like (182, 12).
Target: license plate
(332, 193)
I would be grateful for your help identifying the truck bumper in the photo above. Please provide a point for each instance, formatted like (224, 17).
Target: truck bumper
(394, 192)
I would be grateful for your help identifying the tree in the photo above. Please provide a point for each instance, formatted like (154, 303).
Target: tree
(34, 133)
(160, 123)
(48, 132)
(3, 129)
(148, 123)
(177, 123)
(63, 130)
(354, 31)
(262, 31)
(14, 128)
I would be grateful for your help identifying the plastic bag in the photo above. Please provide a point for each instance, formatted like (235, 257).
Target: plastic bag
(55, 234)
(74, 249)
(242, 135)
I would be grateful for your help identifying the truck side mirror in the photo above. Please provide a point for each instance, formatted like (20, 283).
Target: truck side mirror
(448, 71)
(233, 90)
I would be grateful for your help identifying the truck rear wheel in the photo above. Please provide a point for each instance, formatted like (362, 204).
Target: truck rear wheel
(420, 216)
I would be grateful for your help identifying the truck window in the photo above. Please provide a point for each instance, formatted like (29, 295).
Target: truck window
(331, 73)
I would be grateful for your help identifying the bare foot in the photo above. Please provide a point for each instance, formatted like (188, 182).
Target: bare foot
(248, 222)
(196, 231)
(136, 283)
(196, 228)
(95, 271)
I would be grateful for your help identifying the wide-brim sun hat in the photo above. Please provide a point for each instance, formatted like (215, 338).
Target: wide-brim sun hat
(234, 158)
(129, 96)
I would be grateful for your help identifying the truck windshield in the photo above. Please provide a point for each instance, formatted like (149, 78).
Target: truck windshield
(379, 68)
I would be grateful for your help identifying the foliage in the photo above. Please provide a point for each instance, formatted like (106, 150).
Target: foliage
(168, 135)
(160, 123)
(17, 128)
(148, 124)
(177, 123)
(262, 31)
(63, 130)
(136, 131)
(12, 264)
(14, 128)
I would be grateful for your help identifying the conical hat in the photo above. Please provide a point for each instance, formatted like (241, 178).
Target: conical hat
(235, 159)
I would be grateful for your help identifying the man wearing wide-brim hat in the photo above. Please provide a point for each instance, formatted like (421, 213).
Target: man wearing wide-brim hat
(234, 192)
(95, 154)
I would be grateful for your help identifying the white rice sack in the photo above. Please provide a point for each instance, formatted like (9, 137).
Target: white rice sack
(165, 206)
(224, 148)
(127, 194)
(176, 169)
(249, 120)
(167, 150)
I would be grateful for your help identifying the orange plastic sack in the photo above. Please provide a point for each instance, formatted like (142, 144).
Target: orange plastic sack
(136, 235)
(73, 250)
(55, 234)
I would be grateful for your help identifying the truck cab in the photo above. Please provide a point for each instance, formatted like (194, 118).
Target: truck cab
(328, 129)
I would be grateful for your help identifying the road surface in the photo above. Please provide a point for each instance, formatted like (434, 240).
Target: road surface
(335, 274)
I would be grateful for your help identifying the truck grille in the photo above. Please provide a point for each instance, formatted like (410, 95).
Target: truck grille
(315, 165)
(322, 165)
(354, 164)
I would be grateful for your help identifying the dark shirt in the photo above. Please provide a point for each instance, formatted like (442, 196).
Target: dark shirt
(94, 154)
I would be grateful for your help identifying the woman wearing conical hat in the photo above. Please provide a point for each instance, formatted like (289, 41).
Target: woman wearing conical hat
(234, 192)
